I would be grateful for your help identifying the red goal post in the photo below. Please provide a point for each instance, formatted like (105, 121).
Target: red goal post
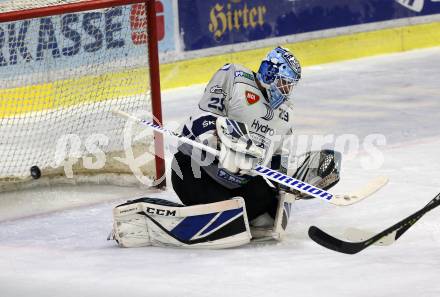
(36, 9)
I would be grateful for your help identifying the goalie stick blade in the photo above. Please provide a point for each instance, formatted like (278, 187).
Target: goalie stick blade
(395, 231)
(372, 187)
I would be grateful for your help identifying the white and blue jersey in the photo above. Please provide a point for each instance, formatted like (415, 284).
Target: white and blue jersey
(234, 93)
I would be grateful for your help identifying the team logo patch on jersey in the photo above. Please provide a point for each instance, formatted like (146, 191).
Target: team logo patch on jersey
(244, 74)
(269, 113)
(251, 97)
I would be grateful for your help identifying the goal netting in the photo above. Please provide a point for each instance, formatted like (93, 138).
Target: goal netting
(64, 66)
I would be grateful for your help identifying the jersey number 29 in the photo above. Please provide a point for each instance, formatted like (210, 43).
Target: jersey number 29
(217, 103)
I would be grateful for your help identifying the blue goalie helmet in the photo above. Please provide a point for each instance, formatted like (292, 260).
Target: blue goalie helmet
(279, 72)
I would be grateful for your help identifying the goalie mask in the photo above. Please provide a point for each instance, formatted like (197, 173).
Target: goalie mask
(279, 72)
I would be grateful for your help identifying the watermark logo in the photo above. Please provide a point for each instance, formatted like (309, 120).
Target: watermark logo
(92, 152)
(136, 159)
(100, 153)
(70, 150)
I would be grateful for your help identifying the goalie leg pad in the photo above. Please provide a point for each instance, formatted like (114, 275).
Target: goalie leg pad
(157, 222)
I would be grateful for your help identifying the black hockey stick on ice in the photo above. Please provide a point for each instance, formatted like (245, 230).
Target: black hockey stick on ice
(355, 234)
(274, 175)
(395, 231)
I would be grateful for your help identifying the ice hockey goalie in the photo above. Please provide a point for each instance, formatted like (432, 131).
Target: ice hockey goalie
(247, 116)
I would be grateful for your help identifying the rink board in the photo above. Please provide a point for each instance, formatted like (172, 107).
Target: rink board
(309, 52)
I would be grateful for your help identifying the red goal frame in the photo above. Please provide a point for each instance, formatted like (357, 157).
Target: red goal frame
(153, 53)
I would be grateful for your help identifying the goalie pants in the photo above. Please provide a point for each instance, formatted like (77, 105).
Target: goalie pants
(257, 194)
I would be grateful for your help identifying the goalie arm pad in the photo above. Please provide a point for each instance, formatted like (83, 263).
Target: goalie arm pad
(201, 128)
(238, 153)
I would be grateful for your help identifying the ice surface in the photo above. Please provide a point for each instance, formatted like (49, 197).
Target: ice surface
(64, 253)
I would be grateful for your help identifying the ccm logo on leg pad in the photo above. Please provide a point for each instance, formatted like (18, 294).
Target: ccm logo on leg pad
(160, 212)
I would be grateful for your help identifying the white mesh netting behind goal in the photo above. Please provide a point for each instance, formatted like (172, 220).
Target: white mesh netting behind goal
(60, 77)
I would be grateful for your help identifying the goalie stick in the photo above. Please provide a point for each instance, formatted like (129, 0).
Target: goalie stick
(388, 236)
(273, 175)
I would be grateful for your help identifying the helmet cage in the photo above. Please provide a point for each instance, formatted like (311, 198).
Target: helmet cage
(281, 90)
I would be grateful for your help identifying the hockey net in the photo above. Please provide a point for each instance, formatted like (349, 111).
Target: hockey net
(64, 66)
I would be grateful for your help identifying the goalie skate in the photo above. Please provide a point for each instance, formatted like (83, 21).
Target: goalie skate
(265, 228)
